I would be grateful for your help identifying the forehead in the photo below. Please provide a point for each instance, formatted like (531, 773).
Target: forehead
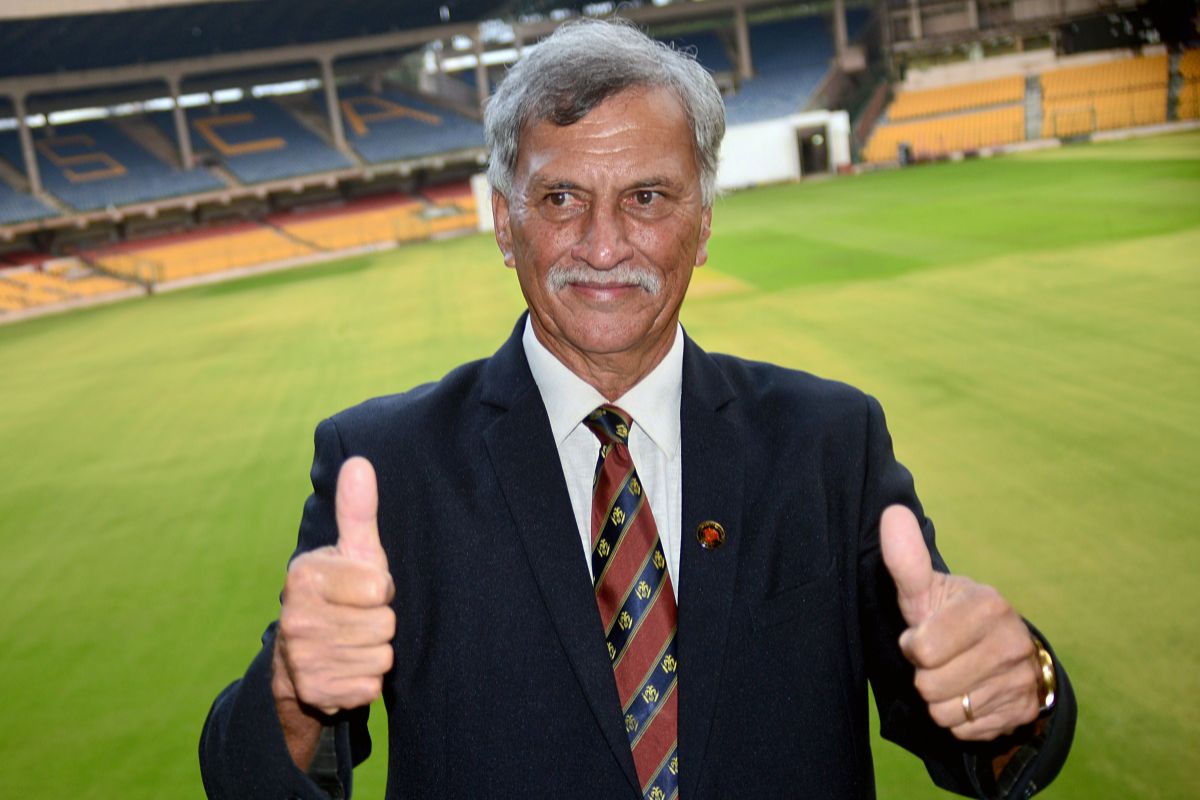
(641, 128)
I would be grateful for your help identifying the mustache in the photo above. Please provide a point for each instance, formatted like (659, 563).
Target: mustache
(558, 278)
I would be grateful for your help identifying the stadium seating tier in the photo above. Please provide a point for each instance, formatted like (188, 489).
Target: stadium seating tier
(961, 97)
(16, 207)
(790, 57)
(92, 165)
(23, 289)
(394, 126)
(940, 136)
(258, 141)
(1115, 94)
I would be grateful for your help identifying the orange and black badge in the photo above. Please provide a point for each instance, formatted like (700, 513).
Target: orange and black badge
(710, 535)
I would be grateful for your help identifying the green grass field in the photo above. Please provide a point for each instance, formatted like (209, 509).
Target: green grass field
(1031, 324)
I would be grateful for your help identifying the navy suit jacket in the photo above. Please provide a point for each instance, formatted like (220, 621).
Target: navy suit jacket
(502, 685)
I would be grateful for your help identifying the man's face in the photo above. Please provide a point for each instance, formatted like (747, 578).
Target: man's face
(603, 224)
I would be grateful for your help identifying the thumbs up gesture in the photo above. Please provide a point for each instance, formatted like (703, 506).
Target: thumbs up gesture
(333, 644)
(973, 654)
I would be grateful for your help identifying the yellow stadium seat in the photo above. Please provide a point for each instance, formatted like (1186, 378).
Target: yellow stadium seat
(1116, 94)
(980, 94)
(941, 136)
(30, 288)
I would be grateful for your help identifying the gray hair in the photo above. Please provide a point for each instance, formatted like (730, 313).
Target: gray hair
(580, 65)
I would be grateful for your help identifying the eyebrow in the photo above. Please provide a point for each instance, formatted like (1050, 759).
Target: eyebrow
(553, 184)
(653, 181)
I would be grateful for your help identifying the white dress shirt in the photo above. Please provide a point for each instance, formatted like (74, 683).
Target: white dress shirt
(653, 443)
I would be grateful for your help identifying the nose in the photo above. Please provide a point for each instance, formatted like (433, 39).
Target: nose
(603, 242)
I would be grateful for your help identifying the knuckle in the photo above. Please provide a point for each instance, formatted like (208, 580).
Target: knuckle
(291, 624)
(375, 591)
(387, 659)
(924, 682)
(994, 603)
(308, 689)
(380, 588)
(940, 714)
(305, 576)
(923, 650)
(297, 622)
(364, 692)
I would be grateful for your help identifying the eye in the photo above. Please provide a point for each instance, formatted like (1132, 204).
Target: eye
(558, 199)
(644, 197)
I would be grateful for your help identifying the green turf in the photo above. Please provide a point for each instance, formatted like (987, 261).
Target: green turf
(1030, 323)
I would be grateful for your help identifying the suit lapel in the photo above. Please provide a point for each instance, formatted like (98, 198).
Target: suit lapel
(712, 490)
(527, 466)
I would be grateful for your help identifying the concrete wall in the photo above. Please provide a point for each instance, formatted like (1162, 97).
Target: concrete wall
(1033, 62)
(768, 152)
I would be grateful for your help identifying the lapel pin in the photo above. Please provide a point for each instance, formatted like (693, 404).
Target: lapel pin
(710, 535)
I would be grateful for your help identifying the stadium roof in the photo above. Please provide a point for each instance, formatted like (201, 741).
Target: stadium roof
(162, 30)
(32, 9)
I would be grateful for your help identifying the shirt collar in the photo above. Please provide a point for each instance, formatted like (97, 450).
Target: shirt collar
(653, 402)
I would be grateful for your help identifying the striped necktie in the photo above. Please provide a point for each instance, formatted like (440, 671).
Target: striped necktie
(637, 606)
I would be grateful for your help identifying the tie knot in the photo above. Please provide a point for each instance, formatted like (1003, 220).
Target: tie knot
(610, 424)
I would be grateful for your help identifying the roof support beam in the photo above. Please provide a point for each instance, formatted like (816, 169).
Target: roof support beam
(27, 151)
(840, 38)
(482, 88)
(182, 135)
(332, 103)
(742, 29)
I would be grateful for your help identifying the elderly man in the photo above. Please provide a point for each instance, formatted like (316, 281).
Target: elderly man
(604, 563)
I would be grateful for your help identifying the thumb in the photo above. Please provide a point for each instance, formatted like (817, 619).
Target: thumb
(357, 509)
(907, 559)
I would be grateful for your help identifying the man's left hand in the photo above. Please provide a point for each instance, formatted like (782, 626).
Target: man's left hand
(973, 654)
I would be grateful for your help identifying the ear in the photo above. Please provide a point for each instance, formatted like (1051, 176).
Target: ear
(500, 221)
(705, 232)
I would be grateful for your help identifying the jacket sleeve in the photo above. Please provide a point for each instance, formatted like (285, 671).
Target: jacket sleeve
(243, 753)
(1013, 766)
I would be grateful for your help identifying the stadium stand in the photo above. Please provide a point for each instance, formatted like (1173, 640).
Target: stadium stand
(21, 207)
(91, 165)
(278, 190)
(393, 125)
(292, 235)
(450, 208)
(708, 48)
(467, 77)
(63, 282)
(1189, 91)
(258, 141)
(1076, 100)
(948, 99)
(932, 138)
(1114, 94)
(188, 255)
(790, 59)
(373, 222)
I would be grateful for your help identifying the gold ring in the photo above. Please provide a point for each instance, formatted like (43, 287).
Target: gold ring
(1048, 685)
(966, 704)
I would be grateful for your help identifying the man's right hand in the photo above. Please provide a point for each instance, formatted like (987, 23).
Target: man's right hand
(333, 644)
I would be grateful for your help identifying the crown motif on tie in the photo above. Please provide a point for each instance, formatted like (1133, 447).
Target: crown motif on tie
(610, 424)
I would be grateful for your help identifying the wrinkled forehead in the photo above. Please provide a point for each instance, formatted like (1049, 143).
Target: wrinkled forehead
(647, 113)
